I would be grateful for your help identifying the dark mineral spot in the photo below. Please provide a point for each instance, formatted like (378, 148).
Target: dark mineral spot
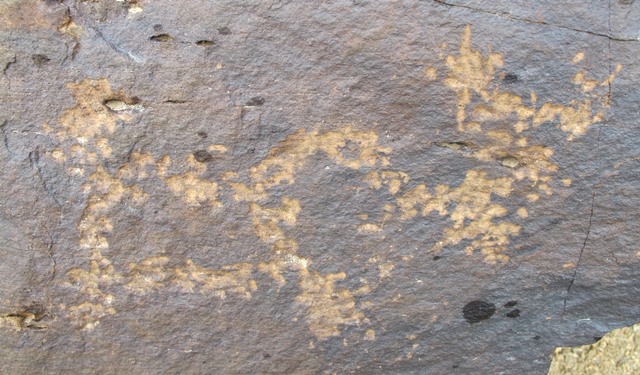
(515, 313)
(40, 59)
(510, 304)
(205, 43)
(536, 337)
(256, 101)
(157, 27)
(510, 78)
(202, 134)
(455, 366)
(224, 31)
(202, 156)
(477, 311)
(266, 355)
(436, 257)
(161, 38)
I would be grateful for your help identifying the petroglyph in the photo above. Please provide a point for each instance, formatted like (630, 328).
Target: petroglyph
(154, 273)
(502, 124)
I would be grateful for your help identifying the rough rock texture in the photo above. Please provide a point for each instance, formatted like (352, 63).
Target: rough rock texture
(397, 187)
(615, 353)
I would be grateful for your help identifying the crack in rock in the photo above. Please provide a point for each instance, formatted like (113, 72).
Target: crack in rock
(526, 20)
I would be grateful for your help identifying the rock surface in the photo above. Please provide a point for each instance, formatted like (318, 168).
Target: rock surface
(315, 187)
(615, 353)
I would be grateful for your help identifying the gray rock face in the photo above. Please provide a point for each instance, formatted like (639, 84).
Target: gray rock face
(278, 187)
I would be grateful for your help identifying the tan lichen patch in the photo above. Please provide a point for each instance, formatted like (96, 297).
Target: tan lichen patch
(58, 155)
(327, 306)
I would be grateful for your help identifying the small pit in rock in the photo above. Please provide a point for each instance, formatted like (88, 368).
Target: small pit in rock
(161, 38)
(202, 156)
(256, 101)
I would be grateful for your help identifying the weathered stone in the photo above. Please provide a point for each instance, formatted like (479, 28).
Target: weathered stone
(290, 187)
(615, 353)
